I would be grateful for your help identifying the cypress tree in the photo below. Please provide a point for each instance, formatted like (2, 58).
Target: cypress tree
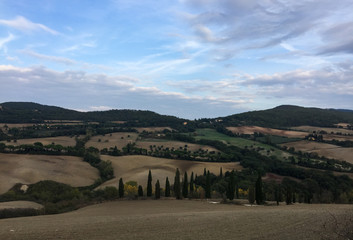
(192, 183)
(185, 185)
(208, 185)
(220, 173)
(231, 186)
(177, 184)
(167, 188)
(251, 195)
(121, 188)
(158, 190)
(140, 191)
(258, 189)
(149, 184)
(204, 172)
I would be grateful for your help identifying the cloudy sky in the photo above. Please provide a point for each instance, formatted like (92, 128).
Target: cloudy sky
(188, 58)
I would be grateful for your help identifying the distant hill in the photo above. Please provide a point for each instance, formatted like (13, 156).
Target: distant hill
(290, 116)
(27, 112)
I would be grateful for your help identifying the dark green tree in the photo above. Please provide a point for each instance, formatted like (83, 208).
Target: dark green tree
(177, 189)
(121, 188)
(220, 173)
(140, 191)
(192, 183)
(231, 186)
(185, 185)
(258, 190)
(204, 172)
(167, 187)
(208, 185)
(251, 195)
(157, 190)
(149, 184)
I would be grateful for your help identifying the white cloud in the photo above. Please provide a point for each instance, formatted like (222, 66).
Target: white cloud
(22, 24)
(63, 60)
(4, 41)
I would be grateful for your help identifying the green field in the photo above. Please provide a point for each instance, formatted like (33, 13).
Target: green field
(212, 134)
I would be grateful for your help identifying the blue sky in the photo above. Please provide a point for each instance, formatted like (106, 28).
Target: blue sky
(188, 58)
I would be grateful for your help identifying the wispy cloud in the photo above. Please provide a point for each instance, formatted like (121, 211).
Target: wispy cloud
(4, 41)
(22, 24)
(63, 60)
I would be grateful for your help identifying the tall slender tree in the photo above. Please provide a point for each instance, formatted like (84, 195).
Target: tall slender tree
(140, 191)
(251, 195)
(157, 190)
(258, 190)
(185, 185)
(208, 185)
(167, 188)
(177, 191)
(192, 183)
(121, 188)
(149, 184)
(220, 173)
(231, 186)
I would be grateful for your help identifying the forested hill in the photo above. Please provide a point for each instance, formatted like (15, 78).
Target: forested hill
(290, 116)
(26, 112)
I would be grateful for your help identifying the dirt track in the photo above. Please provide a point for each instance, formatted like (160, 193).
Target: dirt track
(172, 219)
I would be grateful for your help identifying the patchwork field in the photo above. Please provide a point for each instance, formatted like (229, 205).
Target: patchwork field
(119, 139)
(182, 219)
(63, 141)
(323, 149)
(173, 144)
(27, 169)
(136, 168)
(328, 130)
(267, 131)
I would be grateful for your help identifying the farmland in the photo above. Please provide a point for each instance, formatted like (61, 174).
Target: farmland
(172, 219)
(27, 169)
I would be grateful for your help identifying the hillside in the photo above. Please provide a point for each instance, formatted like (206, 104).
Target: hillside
(27, 112)
(291, 116)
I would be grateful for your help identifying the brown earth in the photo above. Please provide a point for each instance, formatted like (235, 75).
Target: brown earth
(20, 204)
(135, 168)
(328, 130)
(27, 169)
(323, 149)
(174, 144)
(181, 219)
(63, 141)
(120, 140)
(153, 129)
(267, 131)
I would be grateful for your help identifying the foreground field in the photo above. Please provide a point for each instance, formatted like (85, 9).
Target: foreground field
(27, 169)
(184, 219)
(323, 149)
(135, 168)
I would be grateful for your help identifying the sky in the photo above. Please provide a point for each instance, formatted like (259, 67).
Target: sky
(186, 58)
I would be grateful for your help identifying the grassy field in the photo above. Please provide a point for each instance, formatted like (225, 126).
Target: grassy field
(27, 169)
(268, 150)
(63, 141)
(323, 149)
(119, 139)
(181, 219)
(136, 168)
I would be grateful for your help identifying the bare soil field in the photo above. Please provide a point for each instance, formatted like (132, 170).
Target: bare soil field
(323, 149)
(174, 144)
(328, 130)
(135, 168)
(180, 219)
(337, 137)
(120, 140)
(152, 129)
(27, 169)
(20, 204)
(267, 131)
(63, 141)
